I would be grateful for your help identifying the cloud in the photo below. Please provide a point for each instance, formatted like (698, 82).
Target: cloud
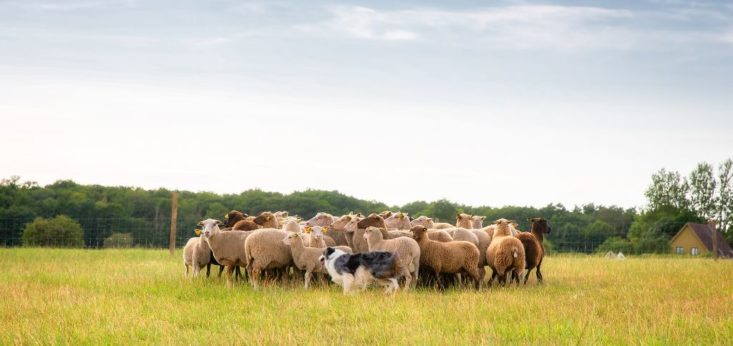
(525, 26)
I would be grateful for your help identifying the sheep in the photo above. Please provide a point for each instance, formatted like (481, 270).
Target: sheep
(227, 247)
(464, 235)
(483, 244)
(505, 254)
(534, 250)
(338, 228)
(320, 219)
(398, 221)
(305, 258)
(406, 248)
(422, 221)
(477, 222)
(291, 226)
(452, 258)
(442, 225)
(233, 217)
(463, 220)
(264, 249)
(197, 254)
(267, 219)
(439, 235)
(317, 239)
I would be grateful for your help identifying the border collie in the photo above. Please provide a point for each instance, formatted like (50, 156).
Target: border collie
(357, 271)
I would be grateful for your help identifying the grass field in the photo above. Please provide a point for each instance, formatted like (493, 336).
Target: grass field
(140, 296)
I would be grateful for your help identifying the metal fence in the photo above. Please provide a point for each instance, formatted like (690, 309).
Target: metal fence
(155, 233)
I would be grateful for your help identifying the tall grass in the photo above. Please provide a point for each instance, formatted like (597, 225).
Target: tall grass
(140, 296)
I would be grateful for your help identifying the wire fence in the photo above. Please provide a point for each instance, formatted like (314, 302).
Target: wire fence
(155, 233)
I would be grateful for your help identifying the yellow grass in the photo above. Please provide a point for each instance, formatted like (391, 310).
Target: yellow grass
(140, 296)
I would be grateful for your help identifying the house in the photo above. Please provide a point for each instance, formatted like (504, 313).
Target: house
(696, 239)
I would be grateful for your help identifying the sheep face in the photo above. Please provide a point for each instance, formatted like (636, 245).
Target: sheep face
(372, 232)
(341, 222)
(422, 221)
(418, 232)
(372, 220)
(210, 227)
(320, 219)
(288, 240)
(265, 216)
(352, 225)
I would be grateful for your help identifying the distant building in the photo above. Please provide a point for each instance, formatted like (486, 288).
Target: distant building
(695, 239)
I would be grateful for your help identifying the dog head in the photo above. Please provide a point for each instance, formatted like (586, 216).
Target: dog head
(330, 254)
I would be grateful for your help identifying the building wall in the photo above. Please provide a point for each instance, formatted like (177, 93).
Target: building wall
(687, 239)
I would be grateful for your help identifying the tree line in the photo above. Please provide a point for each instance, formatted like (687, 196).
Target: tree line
(138, 217)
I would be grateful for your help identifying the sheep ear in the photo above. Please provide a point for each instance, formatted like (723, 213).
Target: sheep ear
(483, 218)
(201, 223)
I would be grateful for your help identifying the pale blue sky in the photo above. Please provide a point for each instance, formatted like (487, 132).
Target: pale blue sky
(484, 103)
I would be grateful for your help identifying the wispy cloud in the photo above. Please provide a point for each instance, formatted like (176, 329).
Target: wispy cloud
(523, 26)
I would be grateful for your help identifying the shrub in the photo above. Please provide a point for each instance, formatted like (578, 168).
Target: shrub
(60, 231)
(615, 245)
(118, 240)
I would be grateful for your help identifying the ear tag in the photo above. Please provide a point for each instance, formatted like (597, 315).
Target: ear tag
(198, 232)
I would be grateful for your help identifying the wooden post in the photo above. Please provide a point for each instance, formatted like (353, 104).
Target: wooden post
(174, 216)
(715, 238)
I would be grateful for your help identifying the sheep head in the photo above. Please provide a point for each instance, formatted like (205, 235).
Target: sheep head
(233, 217)
(372, 220)
(463, 220)
(320, 219)
(539, 224)
(477, 221)
(374, 233)
(502, 228)
(210, 227)
(288, 240)
(422, 221)
(264, 217)
(418, 232)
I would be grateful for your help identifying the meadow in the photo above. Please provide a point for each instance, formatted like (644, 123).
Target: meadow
(63, 296)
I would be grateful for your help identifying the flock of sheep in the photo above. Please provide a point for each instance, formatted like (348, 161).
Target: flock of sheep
(283, 247)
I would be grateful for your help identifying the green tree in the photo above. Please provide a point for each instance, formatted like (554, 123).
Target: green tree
(61, 231)
(702, 191)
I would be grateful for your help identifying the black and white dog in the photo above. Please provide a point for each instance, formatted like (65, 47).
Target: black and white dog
(357, 271)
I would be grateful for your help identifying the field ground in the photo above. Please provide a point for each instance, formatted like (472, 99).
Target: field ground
(140, 296)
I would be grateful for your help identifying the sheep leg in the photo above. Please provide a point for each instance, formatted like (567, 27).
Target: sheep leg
(474, 273)
(539, 275)
(307, 279)
(221, 270)
(348, 280)
(493, 276)
(254, 277)
(186, 273)
(439, 282)
(208, 269)
(229, 276)
(526, 276)
(196, 270)
(408, 279)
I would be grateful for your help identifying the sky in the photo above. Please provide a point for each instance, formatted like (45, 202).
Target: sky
(483, 103)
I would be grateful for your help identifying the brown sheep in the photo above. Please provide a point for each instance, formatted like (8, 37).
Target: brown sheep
(267, 219)
(264, 249)
(463, 220)
(533, 248)
(233, 217)
(505, 254)
(454, 257)
(406, 248)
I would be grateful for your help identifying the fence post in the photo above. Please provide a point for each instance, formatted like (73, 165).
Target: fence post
(174, 215)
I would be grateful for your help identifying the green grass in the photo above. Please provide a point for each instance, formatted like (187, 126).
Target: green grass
(53, 296)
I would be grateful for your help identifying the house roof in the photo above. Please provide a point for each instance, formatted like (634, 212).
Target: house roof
(704, 232)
